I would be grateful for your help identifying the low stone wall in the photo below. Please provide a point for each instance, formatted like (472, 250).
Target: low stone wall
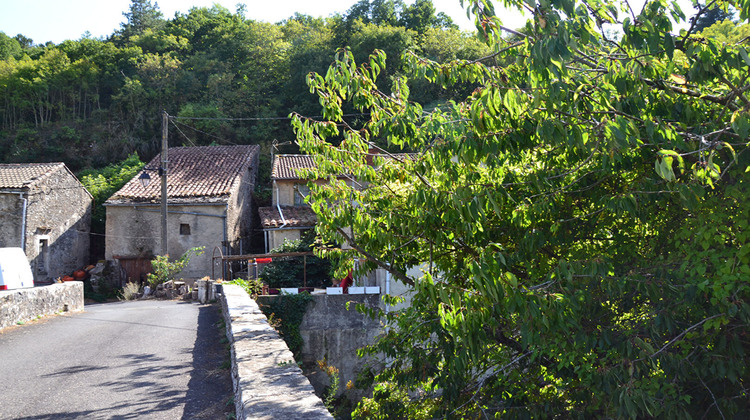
(331, 332)
(21, 305)
(267, 382)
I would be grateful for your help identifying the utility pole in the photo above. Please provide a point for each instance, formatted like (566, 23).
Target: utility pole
(163, 174)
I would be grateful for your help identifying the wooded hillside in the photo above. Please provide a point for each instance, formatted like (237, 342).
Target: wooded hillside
(93, 102)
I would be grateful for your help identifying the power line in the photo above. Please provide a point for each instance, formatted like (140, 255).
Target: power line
(254, 118)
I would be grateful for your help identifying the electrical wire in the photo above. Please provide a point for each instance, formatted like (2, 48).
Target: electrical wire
(174, 117)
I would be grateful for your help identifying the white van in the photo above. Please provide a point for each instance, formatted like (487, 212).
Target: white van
(15, 271)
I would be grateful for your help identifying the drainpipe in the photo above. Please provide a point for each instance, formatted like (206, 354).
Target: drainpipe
(227, 248)
(278, 207)
(387, 289)
(23, 221)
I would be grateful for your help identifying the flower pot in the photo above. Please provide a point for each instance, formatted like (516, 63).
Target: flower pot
(372, 290)
(334, 290)
(356, 290)
(289, 290)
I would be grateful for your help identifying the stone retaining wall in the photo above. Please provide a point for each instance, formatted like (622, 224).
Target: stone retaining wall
(21, 305)
(333, 333)
(267, 382)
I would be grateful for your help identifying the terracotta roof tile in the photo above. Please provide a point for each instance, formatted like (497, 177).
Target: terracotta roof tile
(285, 166)
(206, 173)
(294, 216)
(26, 175)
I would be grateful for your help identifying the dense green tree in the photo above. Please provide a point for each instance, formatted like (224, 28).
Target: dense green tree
(727, 32)
(141, 16)
(421, 16)
(23, 41)
(578, 221)
(95, 101)
(393, 40)
(385, 12)
(710, 15)
(9, 47)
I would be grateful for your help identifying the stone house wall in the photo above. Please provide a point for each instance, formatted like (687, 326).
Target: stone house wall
(11, 211)
(58, 220)
(240, 211)
(137, 232)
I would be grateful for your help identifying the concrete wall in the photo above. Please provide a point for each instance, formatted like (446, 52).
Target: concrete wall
(283, 191)
(58, 222)
(133, 231)
(333, 333)
(267, 382)
(27, 304)
(276, 237)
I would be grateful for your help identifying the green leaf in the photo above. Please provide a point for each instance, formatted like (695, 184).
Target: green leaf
(668, 45)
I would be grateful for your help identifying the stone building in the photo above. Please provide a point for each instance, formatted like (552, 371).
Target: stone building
(288, 215)
(210, 203)
(45, 210)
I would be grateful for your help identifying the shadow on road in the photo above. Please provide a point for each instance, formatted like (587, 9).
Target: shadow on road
(210, 394)
(149, 378)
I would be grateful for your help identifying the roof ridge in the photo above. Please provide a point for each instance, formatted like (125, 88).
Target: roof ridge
(200, 172)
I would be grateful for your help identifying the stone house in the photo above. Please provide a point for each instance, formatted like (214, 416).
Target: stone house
(45, 210)
(210, 204)
(289, 216)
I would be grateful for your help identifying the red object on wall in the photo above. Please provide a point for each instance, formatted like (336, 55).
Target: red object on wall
(263, 260)
(347, 281)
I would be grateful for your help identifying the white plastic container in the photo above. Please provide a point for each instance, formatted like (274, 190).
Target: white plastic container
(334, 290)
(289, 290)
(15, 272)
(356, 290)
(372, 290)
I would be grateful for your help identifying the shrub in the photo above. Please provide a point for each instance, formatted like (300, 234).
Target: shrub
(289, 271)
(164, 270)
(253, 287)
(130, 291)
(285, 313)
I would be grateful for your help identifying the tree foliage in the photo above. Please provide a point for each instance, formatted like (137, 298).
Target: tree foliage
(579, 217)
(91, 102)
(711, 15)
(290, 271)
(102, 183)
(164, 270)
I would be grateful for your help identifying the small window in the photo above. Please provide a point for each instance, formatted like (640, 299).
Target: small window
(301, 191)
(184, 229)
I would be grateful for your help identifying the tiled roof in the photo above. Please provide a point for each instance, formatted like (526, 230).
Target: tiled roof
(294, 216)
(26, 175)
(204, 174)
(285, 166)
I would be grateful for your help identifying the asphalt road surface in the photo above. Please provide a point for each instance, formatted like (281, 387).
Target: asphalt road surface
(126, 360)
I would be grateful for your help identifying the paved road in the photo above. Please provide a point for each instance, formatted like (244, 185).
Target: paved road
(126, 360)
